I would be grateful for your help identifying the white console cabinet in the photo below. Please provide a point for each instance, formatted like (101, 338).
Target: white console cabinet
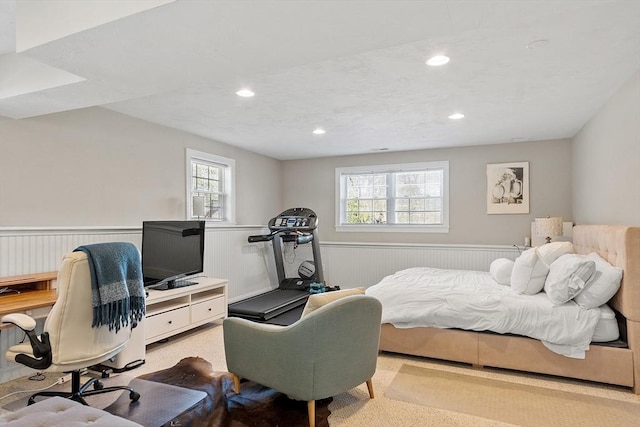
(177, 310)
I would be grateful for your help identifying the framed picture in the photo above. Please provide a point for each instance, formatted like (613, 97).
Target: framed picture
(508, 188)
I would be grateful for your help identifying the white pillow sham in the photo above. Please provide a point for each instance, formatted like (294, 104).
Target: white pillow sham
(602, 286)
(531, 268)
(500, 270)
(567, 277)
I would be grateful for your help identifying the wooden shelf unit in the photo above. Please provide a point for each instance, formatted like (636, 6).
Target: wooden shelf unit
(31, 294)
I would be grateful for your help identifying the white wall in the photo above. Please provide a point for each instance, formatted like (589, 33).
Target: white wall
(96, 167)
(310, 183)
(606, 162)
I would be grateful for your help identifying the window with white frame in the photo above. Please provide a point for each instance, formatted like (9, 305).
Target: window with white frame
(401, 197)
(210, 187)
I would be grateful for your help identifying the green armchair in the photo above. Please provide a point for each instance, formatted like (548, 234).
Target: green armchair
(327, 352)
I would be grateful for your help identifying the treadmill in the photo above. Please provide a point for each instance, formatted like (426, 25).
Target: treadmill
(297, 225)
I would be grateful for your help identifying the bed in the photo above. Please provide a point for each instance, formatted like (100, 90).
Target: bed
(611, 364)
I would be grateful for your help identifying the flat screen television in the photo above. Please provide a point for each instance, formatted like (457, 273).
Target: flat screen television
(171, 250)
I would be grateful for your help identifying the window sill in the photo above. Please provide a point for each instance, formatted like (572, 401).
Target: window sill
(392, 229)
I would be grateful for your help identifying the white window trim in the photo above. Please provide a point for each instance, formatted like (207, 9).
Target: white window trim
(393, 228)
(229, 183)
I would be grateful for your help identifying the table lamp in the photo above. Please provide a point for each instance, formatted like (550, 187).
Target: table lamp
(549, 227)
(198, 206)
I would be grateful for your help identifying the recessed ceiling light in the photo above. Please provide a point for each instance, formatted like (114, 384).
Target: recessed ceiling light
(437, 60)
(537, 44)
(456, 116)
(245, 93)
(318, 131)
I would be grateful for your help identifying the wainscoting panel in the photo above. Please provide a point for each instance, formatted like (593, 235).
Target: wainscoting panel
(365, 264)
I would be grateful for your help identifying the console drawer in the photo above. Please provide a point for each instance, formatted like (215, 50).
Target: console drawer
(166, 322)
(210, 309)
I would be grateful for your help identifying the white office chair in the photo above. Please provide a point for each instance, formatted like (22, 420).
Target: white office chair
(69, 343)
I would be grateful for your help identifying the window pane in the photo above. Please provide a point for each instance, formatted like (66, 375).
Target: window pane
(380, 191)
(433, 204)
(402, 217)
(365, 205)
(202, 184)
(366, 192)
(402, 204)
(380, 205)
(416, 217)
(416, 205)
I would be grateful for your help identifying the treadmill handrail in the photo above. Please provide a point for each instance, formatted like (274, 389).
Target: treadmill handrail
(301, 238)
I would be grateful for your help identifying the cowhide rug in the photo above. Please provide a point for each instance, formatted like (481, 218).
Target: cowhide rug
(256, 405)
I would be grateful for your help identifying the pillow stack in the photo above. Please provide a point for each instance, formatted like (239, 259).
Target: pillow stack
(588, 280)
(531, 268)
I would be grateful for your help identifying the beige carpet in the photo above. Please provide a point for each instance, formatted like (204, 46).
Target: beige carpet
(507, 402)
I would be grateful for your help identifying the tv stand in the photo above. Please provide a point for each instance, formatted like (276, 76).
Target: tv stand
(176, 310)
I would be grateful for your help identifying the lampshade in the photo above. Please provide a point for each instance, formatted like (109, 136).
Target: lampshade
(549, 227)
(198, 206)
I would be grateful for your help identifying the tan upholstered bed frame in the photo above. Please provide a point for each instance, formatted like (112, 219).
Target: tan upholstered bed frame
(620, 246)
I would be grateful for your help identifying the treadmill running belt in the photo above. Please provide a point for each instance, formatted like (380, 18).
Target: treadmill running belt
(268, 305)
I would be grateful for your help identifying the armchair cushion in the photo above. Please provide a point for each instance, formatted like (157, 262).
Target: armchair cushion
(318, 300)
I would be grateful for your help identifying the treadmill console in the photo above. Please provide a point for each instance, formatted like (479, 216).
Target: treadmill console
(296, 219)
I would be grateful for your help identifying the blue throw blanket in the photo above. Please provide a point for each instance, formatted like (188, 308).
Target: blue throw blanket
(116, 283)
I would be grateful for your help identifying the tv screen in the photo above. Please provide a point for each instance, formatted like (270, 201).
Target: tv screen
(171, 250)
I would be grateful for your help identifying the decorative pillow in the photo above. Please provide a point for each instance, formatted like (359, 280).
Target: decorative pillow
(602, 286)
(531, 268)
(568, 277)
(528, 273)
(500, 271)
(552, 251)
(318, 300)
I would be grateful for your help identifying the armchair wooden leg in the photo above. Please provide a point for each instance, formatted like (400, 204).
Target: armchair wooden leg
(370, 388)
(311, 410)
(236, 383)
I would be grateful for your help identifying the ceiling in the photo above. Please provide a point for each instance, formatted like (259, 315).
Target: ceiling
(354, 68)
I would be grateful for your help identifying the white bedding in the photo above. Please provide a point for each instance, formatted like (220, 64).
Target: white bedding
(472, 300)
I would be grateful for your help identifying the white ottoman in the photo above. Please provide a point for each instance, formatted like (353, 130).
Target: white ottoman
(58, 411)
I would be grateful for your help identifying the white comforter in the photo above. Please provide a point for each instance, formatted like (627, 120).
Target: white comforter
(472, 300)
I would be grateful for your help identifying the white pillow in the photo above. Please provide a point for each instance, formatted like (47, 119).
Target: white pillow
(528, 273)
(602, 286)
(552, 251)
(568, 277)
(500, 271)
(531, 268)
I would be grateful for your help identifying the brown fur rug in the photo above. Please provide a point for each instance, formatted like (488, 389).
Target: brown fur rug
(255, 406)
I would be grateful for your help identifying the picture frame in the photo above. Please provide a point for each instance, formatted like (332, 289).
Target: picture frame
(508, 188)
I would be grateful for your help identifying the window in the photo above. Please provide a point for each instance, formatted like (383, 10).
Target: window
(403, 197)
(210, 179)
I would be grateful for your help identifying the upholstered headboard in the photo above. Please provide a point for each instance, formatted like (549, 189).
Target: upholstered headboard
(620, 246)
